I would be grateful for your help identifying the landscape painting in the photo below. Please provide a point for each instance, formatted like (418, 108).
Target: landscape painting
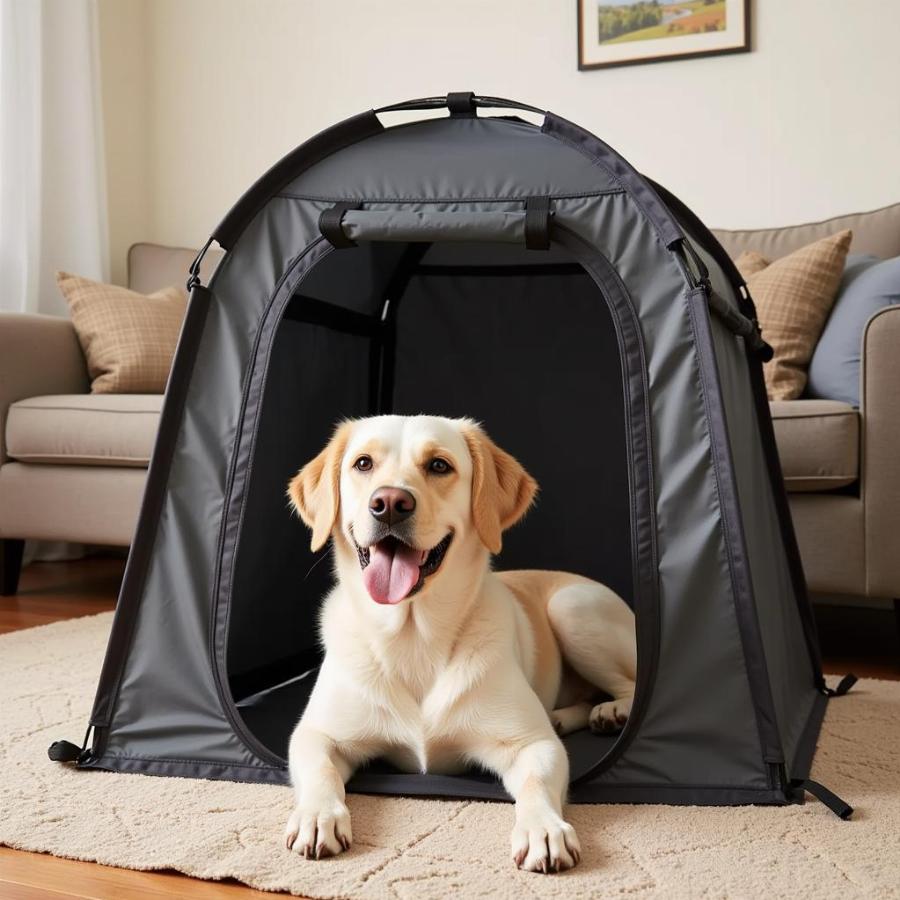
(628, 32)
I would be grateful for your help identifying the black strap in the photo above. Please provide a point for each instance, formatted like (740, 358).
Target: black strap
(537, 223)
(843, 686)
(461, 104)
(839, 807)
(330, 225)
(439, 102)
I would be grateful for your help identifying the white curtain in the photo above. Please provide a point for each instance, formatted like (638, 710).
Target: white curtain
(53, 212)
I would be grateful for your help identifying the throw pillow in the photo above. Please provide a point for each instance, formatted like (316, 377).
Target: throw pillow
(869, 284)
(128, 339)
(793, 297)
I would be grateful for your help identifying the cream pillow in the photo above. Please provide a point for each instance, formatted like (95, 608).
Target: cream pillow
(793, 297)
(128, 338)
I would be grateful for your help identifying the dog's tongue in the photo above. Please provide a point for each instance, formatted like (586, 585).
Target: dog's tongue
(392, 572)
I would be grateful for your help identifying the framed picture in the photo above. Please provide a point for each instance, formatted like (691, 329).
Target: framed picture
(630, 32)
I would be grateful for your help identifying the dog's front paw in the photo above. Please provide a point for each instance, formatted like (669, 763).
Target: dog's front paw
(610, 716)
(543, 842)
(319, 831)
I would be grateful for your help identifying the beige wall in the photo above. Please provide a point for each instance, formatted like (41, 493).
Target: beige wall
(203, 95)
(125, 73)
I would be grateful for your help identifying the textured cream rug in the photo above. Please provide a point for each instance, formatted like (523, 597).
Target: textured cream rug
(427, 848)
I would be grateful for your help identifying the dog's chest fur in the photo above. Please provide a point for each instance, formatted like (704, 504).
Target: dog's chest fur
(419, 669)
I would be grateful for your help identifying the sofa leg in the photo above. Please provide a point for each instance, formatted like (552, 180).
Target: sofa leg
(897, 615)
(11, 550)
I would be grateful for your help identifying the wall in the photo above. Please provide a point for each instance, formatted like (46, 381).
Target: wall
(126, 74)
(204, 95)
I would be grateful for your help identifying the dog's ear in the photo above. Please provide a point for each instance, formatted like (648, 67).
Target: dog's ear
(502, 491)
(315, 490)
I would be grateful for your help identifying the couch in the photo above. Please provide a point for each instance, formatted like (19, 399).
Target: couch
(72, 464)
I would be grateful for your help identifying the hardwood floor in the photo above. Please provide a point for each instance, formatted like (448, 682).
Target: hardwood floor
(50, 592)
(863, 641)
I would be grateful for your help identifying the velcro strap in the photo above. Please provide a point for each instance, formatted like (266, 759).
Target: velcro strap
(330, 225)
(537, 223)
(461, 103)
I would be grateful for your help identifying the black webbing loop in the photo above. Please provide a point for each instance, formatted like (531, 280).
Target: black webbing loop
(537, 223)
(194, 271)
(461, 104)
(843, 686)
(330, 225)
(839, 807)
(739, 324)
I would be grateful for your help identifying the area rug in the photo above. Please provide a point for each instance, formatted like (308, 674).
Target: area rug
(428, 848)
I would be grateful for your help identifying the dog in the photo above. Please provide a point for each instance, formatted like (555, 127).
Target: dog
(432, 660)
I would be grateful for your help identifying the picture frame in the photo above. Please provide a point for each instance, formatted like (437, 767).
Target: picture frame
(615, 33)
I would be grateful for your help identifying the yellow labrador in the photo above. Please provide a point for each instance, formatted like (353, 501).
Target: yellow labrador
(431, 659)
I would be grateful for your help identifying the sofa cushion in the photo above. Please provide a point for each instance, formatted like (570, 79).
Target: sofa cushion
(128, 338)
(84, 429)
(869, 284)
(818, 443)
(793, 298)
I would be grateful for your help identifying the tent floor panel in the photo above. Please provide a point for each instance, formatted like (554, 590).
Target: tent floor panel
(270, 716)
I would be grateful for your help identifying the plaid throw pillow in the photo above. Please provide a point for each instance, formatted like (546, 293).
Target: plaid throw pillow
(793, 297)
(128, 338)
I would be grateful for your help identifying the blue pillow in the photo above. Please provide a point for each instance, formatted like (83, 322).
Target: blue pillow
(868, 284)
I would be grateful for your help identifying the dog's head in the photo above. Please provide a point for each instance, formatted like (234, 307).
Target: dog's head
(408, 493)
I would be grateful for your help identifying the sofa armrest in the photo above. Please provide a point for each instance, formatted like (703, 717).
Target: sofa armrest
(38, 355)
(880, 451)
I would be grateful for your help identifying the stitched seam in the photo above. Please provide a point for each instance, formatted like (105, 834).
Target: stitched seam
(826, 415)
(200, 762)
(144, 461)
(513, 198)
(598, 162)
(595, 160)
(726, 535)
(655, 786)
(77, 409)
(852, 477)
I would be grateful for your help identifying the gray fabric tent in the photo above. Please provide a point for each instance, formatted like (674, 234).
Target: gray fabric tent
(529, 277)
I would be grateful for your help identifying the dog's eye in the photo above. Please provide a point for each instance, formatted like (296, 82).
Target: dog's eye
(439, 466)
(363, 464)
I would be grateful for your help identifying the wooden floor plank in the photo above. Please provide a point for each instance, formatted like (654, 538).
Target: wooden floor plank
(22, 874)
(861, 641)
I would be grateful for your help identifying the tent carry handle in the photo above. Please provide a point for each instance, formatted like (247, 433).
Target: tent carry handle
(345, 224)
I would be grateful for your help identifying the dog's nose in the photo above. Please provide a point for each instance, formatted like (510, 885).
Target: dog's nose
(392, 505)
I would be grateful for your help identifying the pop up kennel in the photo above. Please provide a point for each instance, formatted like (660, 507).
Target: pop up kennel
(529, 277)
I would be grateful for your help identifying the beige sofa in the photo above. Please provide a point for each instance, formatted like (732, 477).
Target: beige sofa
(72, 464)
